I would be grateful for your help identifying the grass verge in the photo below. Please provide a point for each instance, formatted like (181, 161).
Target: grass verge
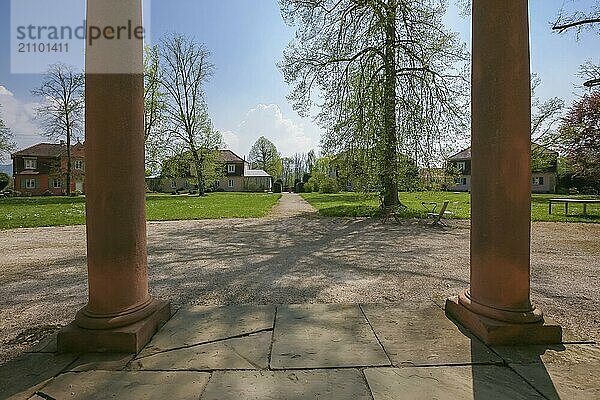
(367, 205)
(31, 212)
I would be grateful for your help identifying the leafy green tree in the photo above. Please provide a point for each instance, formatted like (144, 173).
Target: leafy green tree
(264, 155)
(156, 137)
(387, 74)
(4, 181)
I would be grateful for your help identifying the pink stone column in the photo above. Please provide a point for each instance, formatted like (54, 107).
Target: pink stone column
(497, 307)
(120, 315)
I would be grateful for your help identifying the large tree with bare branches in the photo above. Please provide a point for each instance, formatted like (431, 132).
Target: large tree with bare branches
(62, 109)
(6, 138)
(185, 68)
(387, 74)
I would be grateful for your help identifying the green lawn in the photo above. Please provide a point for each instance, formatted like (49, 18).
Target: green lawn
(29, 212)
(366, 205)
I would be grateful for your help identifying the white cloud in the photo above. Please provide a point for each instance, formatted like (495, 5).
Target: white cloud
(20, 118)
(268, 121)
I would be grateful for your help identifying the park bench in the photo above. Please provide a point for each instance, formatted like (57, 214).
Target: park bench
(584, 202)
(438, 216)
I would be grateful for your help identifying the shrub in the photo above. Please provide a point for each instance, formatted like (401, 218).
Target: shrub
(328, 185)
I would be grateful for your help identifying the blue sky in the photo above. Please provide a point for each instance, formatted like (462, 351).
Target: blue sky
(247, 95)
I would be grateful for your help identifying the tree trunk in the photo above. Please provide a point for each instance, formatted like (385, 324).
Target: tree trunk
(199, 172)
(68, 157)
(389, 170)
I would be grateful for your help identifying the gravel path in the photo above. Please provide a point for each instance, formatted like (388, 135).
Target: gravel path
(292, 256)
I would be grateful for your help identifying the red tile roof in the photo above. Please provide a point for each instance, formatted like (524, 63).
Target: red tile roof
(50, 150)
(230, 156)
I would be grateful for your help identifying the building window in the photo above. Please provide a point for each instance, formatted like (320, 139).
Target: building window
(538, 181)
(30, 163)
(461, 166)
(79, 164)
(29, 183)
(173, 184)
(231, 183)
(231, 168)
(56, 183)
(461, 181)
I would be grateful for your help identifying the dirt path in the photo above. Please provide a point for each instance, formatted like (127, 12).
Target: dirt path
(292, 205)
(293, 256)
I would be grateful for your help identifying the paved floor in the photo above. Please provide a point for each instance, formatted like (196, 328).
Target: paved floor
(403, 344)
(336, 351)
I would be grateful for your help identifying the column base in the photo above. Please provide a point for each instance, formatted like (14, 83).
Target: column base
(494, 332)
(127, 339)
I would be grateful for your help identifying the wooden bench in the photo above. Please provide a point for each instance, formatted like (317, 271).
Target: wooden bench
(438, 216)
(585, 203)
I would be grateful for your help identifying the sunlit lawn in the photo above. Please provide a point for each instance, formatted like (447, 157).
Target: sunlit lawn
(29, 212)
(366, 205)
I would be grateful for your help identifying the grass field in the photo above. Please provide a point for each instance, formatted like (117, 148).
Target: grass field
(366, 205)
(30, 212)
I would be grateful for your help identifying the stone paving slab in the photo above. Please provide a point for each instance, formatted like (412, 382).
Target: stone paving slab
(20, 378)
(477, 382)
(420, 334)
(250, 352)
(195, 325)
(324, 336)
(100, 385)
(100, 362)
(559, 372)
(348, 384)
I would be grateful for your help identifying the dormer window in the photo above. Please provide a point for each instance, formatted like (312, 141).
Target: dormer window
(231, 168)
(30, 163)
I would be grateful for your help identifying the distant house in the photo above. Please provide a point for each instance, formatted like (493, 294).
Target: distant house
(544, 172)
(42, 169)
(237, 176)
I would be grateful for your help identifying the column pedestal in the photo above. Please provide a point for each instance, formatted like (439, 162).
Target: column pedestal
(124, 339)
(500, 333)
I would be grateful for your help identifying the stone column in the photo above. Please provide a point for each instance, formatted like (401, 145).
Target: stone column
(497, 307)
(120, 315)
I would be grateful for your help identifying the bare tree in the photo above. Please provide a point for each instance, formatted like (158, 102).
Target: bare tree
(62, 109)
(578, 20)
(6, 139)
(185, 68)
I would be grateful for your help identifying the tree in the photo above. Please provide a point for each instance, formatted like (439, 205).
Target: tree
(62, 110)
(185, 68)
(6, 143)
(155, 137)
(382, 68)
(264, 155)
(580, 138)
(4, 181)
(579, 20)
